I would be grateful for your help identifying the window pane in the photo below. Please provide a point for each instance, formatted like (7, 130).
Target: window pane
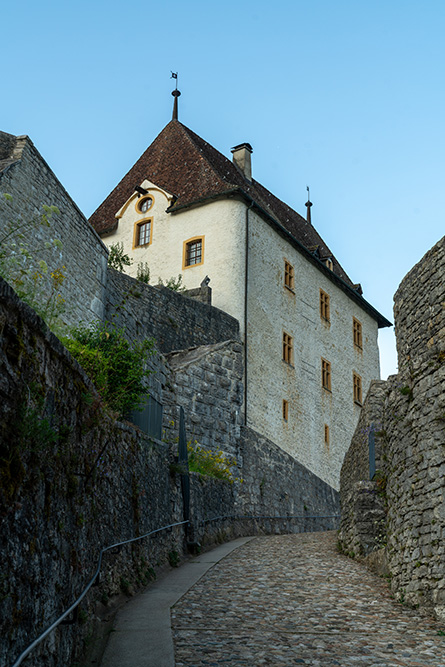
(144, 233)
(145, 205)
(194, 252)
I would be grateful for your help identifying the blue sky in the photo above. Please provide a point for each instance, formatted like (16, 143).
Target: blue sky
(346, 97)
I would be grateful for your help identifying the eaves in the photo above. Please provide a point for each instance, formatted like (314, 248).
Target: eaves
(382, 322)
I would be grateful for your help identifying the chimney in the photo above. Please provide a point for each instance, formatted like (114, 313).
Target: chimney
(241, 159)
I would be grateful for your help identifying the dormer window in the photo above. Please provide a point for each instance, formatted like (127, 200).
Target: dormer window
(144, 204)
(329, 263)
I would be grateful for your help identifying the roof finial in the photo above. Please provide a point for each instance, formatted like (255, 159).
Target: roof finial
(308, 204)
(175, 94)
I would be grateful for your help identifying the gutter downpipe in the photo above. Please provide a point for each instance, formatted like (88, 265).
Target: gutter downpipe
(246, 275)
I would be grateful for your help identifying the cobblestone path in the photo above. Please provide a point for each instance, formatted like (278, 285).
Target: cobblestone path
(293, 600)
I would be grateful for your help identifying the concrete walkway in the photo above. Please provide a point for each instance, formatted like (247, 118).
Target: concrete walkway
(142, 634)
(276, 600)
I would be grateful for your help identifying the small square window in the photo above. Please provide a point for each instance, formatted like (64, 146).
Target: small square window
(326, 375)
(288, 352)
(289, 279)
(285, 410)
(324, 306)
(357, 385)
(326, 435)
(357, 333)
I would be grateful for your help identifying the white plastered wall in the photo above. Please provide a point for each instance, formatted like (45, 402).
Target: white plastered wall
(222, 226)
(272, 310)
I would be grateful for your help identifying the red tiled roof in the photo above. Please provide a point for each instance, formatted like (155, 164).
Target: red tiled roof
(189, 168)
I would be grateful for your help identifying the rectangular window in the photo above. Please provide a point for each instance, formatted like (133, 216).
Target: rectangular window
(193, 252)
(288, 353)
(357, 333)
(285, 410)
(324, 306)
(142, 233)
(326, 374)
(326, 434)
(357, 383)
(289, 280)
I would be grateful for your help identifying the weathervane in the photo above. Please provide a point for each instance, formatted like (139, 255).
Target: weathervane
(308, 205)
(176, 94)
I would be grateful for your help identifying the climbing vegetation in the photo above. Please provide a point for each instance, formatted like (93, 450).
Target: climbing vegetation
(116, 367)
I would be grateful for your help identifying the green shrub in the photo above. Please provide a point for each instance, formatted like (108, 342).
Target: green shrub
(117, 259)
(116, 367)
(173, 283)
(213, 464)
(143, 272)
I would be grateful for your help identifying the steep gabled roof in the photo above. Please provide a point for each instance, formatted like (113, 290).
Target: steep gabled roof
(183, 164)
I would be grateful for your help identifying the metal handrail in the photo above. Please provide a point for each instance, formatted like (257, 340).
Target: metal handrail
(291, 516)
(66, 613)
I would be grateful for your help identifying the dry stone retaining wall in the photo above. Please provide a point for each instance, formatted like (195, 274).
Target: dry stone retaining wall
(410, 408)
(275, 484)
(175, 321)
(72, 480)
(207, 382)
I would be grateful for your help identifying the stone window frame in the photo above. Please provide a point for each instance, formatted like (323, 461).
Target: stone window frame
(325, 306)
(357, 333)
(186, 251)
(288, 349)
(326, 374)
(138, 226)
(289, 276)
(357, 388)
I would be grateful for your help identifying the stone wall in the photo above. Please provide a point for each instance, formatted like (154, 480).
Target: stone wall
(363, 506)
(412, 437)
(72, 481)
(275, 484)
(207, 383)
(30, 181)
(174, 321)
